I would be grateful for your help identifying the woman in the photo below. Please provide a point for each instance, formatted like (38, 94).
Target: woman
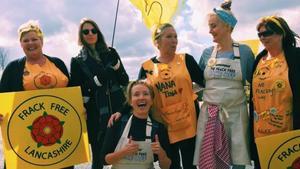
(128, 144)
(275, 70)
(175, 105)
(100, 73)
(25, 73)
(222, 131)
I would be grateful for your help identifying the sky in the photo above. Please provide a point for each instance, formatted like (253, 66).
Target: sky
(60, 19)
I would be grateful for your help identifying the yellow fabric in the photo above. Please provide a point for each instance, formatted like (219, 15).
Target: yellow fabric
(174, 97)
(279, 150)
(44, 129)
(253, 44)
(272, 97)
(43, 77)
(155, 12)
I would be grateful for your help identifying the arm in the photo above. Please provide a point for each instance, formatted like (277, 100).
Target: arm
(164, 160)
(197, 75)
(118, 67)
(130, 149)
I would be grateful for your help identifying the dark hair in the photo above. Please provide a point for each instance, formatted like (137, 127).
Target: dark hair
(279, 26)
(101, 45)
(226, 5)
(159, 30)
(138, 82)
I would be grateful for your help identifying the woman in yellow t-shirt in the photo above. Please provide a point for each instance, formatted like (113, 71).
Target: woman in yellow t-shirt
(35, 70)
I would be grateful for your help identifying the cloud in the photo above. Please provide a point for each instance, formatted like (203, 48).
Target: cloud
(60, 20)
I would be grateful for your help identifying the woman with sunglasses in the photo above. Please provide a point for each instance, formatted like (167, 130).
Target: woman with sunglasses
(275, 91)
(222, 131)
(100, 73)
(26, 73)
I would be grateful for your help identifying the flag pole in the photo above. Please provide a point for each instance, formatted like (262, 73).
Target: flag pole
(115, 24)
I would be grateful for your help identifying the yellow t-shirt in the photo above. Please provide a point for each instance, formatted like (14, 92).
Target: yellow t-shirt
(43, 77)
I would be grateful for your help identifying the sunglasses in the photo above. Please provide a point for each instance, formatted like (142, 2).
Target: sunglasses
(265, 33)
(87, 31)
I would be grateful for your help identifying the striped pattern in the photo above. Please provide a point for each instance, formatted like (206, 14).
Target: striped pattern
(215, 149)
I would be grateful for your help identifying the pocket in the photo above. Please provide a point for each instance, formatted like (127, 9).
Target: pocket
(177, 116)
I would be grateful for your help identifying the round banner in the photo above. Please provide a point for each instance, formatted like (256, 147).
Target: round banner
(44, 130)
(286, 154)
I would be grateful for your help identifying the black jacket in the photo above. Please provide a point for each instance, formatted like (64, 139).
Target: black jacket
(293, 61)
(12, 77)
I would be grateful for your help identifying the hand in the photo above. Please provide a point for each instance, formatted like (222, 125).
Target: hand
(131, 147)
(113, 57)
(113, 117)
(156, 148)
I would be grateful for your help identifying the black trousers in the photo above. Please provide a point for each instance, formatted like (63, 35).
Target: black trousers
(186, 148)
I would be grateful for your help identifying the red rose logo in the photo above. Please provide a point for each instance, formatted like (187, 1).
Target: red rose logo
(46, 130)
(296, 163)
(45, 80)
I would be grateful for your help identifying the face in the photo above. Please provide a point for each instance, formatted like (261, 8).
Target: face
(141, 100)
(167, 43)
(218, 29)
(32, 45)
(89, 34)
(269, 39)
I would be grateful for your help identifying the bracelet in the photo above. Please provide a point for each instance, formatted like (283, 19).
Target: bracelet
(97, 81)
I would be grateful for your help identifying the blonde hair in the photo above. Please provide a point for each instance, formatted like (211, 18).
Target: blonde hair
(158, 30)
(138, 82)
(31, 25)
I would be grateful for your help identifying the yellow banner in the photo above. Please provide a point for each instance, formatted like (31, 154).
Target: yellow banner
(254, 44)
(155, 12)
(44, 129)
(280, 150)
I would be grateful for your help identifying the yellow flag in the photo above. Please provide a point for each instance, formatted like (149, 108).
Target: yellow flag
(44, 129)
(155, 12)
(254, 44)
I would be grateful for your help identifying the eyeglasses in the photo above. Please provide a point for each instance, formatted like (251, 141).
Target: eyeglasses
(87, 31)
(266, 33)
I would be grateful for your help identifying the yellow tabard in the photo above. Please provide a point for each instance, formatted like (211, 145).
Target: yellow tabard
(272, 97)
(174, 97)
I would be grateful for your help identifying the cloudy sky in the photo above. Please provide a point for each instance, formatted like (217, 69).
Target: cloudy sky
(59, 20)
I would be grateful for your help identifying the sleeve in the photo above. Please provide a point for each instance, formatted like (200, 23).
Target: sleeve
(204, 58)
(5, 83)
(111, 140)
(142, 74)
(195, 72)
(62, 67)
(79, 79)
(121, 73)
(250, 61)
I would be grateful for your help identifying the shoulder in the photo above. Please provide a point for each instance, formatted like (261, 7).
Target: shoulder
(55, 59)
(15, 63)
(245, 49)
(207, 51)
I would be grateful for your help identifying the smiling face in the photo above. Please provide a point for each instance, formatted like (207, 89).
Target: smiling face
(141, 100)
(91, 37)
(32, 45)
(270, 41)
(218, 29)
(167, 42)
